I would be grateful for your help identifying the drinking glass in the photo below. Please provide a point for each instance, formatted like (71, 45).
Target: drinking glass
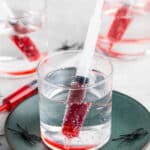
(66, 120)
(125, 28)
(23, 36)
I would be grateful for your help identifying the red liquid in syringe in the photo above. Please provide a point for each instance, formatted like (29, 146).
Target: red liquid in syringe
(26, 46)
(118, 27)
(14, 99)
(24, 42)
(119, 24)
(117, 30)
(77, 109)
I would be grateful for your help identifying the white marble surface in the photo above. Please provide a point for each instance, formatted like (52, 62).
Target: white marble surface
(130, 77)
(133, 79)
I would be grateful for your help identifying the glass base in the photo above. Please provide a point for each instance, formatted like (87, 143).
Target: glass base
(119, 55)
(123, 55)
(11, 67)
(56, 146)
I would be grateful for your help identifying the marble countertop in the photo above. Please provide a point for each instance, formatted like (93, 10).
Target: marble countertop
(130, 77)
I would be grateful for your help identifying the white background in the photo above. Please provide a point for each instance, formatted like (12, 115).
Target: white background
(130, 77)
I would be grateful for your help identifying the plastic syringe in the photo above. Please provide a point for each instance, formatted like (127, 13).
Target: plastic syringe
(23, 42)
(14, 99)
(77, 108)
(119, 26)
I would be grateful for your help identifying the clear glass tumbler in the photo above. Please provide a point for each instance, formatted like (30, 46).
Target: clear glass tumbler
(23, 36)
(74, 117)
(125, 28)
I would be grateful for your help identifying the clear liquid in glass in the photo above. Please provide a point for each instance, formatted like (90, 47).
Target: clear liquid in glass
(13, 61)
(96, 129)
(133, 26)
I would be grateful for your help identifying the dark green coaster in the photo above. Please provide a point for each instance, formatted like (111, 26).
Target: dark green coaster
(127, 116)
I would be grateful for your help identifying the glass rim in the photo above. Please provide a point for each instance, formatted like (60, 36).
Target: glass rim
(40, 78)
(41, 10)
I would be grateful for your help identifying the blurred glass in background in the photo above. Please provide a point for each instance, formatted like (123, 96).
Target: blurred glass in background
(125, 28)
(23, 36)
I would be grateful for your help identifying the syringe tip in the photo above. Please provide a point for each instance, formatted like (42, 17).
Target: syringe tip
(3, 107)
